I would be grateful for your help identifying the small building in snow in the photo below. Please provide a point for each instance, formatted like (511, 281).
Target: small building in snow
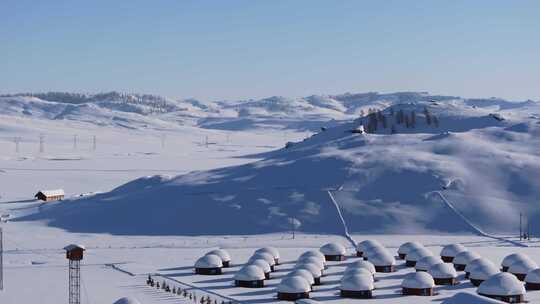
(250, 276)
(224, 255)
(314, 269)
(449, 252)
(263, 265)
(532, 280)
(383, 261)
(522, 267)
(50, 195)
(482, 272)
(334, 252)
(365, 245)
(463, 258)
(265, 256)
(503, 287)
(293, 288)
(415, 256)
(511, 259)
(418, 284)
(209, 264)
(424, 263)
(304, 273)
(407, 247)
(358, 286)
(443, 274)
(272, 251)
(476, 263)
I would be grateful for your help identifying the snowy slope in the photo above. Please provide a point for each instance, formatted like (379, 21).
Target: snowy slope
(487, 166)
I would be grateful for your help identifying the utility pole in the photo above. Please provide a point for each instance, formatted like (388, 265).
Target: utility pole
(17, 140)
(41, 143)
(520, 227)
(94, 143)
(75, 142)
(206, 141)
(1, 261)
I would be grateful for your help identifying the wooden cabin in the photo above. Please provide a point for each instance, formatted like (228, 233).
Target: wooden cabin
(50, 195)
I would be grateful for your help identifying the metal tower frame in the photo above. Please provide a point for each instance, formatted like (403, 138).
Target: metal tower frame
(74, 282)
(1, 261)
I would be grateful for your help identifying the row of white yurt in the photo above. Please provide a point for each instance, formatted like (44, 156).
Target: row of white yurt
(257, 269)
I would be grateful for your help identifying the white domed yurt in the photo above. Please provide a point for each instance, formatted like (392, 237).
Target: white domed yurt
(415, 255)
(314, 253)
(449, 252)
(522, 267)
(357, 286)
(365, 245)
(511, 259)
(224, 255)
(463, 258)
(362, 264)
(272, 251)
(250, 276)
(304, 273)
(503, 287)
(315, 271)
(357, 271)
(209, 264)
(373, 251)
(383, 262)
(418, 284)
(292, 288)
(443, 274)
(424, 263)
(532, 280)
(313, 259)
(476, 263)
(333, 252)
(482, 272)
(407, 247)
(263, 264)
(469, 298)
(265, 256)
(127, 300)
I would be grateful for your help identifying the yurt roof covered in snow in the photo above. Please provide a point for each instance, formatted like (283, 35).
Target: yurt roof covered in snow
(249, 273)
(364, 245)
(418, 280)
(418, 253)
(384, 258)
(293, 284)
(306, 301)
(127, 300)
(314, 253)
(357, 283)
(477, 262)
(483, 272)
(333, 249)
(209, 261)
(442, 271)
(375, 250)
(533, 276)
(522, 266)
(465, 257)
(223, 254)
(304, 273)
(311, 267)
(466, 298)
(362, 264)
(407, 247)
(502, 284)
(451, 250)
(356, 271)
(271, 250)
(312, 259)
(512, 258)
(263, 264)
(265, 256)
(426, 262)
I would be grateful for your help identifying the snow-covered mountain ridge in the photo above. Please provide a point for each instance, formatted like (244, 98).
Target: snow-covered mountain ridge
(445, 165)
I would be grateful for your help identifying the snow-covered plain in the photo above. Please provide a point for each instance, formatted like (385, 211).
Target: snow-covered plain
(192, 177)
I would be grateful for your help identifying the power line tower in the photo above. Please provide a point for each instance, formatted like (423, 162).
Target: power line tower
(41, 143)
(74, 253)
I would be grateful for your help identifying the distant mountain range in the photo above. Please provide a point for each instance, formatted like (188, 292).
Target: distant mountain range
(154, 111)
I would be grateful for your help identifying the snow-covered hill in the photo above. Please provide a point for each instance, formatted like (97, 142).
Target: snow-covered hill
(458, 166)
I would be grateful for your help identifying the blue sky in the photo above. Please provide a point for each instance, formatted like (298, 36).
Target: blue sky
(242, 49)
